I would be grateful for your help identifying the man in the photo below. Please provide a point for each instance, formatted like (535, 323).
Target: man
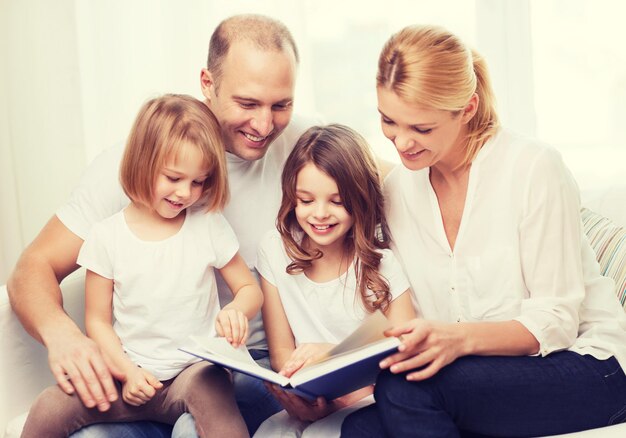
(249, 86)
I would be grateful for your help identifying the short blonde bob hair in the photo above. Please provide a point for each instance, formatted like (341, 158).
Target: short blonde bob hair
(431, 67)
(163, 127)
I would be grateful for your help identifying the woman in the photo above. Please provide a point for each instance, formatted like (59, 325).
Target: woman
(519, 334)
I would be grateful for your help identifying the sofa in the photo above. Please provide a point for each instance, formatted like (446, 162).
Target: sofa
(23, 361)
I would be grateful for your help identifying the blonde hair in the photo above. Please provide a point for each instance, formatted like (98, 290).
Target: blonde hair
(431, 67)
(163, 127)
(344, 155)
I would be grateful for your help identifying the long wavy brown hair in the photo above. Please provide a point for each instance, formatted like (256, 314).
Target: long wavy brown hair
(345, 156)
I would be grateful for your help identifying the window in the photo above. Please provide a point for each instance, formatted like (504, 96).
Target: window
(579, 66)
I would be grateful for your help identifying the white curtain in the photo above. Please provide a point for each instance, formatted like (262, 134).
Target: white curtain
(503, 36)
(75, 72)
(40, 117)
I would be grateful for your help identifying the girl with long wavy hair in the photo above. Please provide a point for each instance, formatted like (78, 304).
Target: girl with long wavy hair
(327, 265)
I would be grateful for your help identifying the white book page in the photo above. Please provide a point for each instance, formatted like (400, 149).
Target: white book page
(319, 369)
(371, 330)
(222, 347)
(220, 350)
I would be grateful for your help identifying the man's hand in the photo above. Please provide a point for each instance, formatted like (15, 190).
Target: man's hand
(78, 366)
(75, 360)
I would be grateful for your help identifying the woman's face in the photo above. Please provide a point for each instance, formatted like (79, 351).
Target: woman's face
(422, 136)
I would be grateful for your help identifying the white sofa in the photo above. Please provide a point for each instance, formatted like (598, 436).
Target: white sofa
(24, 367)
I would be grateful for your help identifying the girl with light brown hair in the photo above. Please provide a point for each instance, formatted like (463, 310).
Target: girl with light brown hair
(150, 282)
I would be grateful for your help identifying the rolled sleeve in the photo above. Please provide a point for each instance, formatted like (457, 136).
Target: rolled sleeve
(550, 236)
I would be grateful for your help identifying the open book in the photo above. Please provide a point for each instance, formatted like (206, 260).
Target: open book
(351, 365)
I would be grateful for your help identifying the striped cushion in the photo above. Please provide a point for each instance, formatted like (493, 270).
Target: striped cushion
(609, 243)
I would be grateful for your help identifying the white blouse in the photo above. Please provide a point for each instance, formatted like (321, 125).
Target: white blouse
(520, 252)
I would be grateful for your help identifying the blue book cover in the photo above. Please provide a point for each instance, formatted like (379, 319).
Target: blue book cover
(351, 365)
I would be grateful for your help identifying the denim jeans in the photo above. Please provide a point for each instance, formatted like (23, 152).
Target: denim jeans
(254, 400)
(497, 396)
(137, 429)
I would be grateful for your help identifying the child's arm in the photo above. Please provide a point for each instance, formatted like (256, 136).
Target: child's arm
(285, 357)
(232, 320)
(401, 309)
(139, 385)
(280, 338)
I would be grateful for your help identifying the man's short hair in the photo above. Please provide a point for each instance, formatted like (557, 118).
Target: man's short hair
(263, 32)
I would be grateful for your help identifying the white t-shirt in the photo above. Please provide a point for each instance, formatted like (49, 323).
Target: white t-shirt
(520, 252)
(163, 291)
(255, 196)
(321, 312)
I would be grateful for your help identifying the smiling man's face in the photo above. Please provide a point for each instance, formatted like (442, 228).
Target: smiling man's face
(253, 98)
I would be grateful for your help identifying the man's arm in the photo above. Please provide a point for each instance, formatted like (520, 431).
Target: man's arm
(37, 300)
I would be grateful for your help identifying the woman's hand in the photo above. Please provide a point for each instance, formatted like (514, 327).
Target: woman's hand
(232, 324)
(139, 386)
(303, 355)
(426, 345)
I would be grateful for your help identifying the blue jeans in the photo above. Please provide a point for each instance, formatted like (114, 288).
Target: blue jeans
(497, 396)
(254, 400)
(137, 429)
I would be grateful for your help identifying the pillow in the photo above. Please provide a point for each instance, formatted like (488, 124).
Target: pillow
(609, 243)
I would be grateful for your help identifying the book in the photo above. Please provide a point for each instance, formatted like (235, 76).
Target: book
(350, 365)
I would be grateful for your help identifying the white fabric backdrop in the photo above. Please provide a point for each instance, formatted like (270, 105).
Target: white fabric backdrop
(73, 74)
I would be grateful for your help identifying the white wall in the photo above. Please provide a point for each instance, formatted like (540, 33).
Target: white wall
(73, 74)
(41, 117)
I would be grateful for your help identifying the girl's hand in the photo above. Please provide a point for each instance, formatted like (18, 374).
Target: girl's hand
(139, 387)
(233, 325)
(426, 345)
(303, 355)
(300, 408)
